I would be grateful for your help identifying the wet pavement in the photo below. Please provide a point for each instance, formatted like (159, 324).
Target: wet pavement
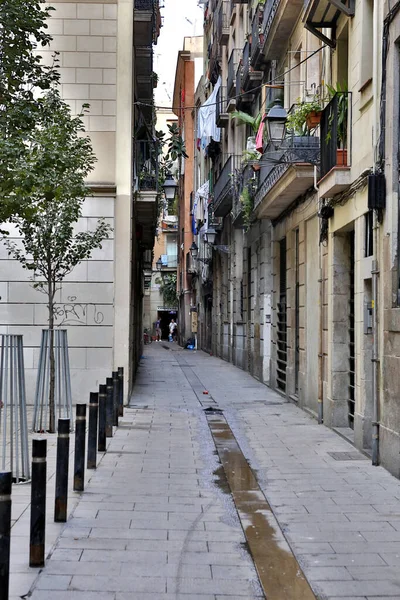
(195, 486)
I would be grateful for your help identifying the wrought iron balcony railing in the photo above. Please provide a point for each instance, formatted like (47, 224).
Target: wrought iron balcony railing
(257, 38)
(223, 22)
(274, 163)
(246, 64)
(146, 165)
(233, 62)
(224, 185)
(144, 4)
(336, 126)
(222, 117)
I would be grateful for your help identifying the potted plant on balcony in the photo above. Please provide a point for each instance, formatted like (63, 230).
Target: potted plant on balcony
(252, 158)
(245, 119)
(305, 117)
(342, 115)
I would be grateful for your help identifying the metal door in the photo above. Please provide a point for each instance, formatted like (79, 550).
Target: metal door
(282, 320)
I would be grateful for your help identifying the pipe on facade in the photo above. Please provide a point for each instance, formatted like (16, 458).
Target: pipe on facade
(320, 343)
(375, 263)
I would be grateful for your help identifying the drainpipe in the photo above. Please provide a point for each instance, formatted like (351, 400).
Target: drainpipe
(320, 342)
(375, 263)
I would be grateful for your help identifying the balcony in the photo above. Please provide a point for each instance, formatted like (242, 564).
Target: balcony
(250, 78)
(246, 178)
(285, 175)
(336, 127)
(324, 14)
(169, 262)
(224, 188)
(233, 64)
(257, 39)
(280, 17)
(144, 22)
(222, 116)
(146, 178)
(223, 22)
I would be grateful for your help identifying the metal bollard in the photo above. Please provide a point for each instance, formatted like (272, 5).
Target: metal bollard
(5, 528)
(109, 407)
(38, 503)
(80, 443)
(121, 391)
(61, 498)
(115, 397)
(101, 446)
(92, 435)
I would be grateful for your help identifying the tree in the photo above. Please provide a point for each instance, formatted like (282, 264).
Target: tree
(56, 163)
(168, 290)
(22, 80)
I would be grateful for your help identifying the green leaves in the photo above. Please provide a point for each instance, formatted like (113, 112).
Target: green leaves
(168, 290)
(245, 119)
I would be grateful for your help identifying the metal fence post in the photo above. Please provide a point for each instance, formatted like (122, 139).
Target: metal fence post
(121, 391)
(38, 503)
(5, 528)
(109, 407)
(102, 418)
(92, 435)
(115, 397)
(80, 444)
(61, 497)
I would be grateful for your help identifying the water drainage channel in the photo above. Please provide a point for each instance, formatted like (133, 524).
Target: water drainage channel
(278, 570)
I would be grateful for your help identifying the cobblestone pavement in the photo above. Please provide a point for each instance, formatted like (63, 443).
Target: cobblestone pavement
(157, 521)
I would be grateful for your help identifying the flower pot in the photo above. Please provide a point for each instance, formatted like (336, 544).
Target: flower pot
(256, 167)
(313, 119)
(341, 157)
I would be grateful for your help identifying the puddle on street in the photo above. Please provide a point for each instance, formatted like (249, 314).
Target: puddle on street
(279, 572)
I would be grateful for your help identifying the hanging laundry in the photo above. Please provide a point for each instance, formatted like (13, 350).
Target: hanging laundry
(260, 135)
(207, 119)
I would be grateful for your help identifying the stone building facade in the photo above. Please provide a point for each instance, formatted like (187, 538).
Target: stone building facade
(303, 274)
(105, 58)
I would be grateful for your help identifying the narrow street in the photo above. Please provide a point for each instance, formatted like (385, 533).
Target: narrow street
(174, 511)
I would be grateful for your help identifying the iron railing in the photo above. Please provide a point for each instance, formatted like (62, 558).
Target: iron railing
(257, 38)
(270, 11)
(224, 185)
(221, 110)
(146, 164)
(336, 123)
(246, 64)
(222, 22)
(144, 4)
(233, 63)
(274, 164)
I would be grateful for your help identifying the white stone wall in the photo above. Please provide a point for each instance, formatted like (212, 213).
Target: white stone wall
(84, 308)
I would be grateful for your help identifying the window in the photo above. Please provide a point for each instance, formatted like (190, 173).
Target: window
(369, 236)
(367, 36)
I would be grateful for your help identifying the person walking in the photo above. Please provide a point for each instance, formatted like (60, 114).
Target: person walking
(158, 330)
(172, 327)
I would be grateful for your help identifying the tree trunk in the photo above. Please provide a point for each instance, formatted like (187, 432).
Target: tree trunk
(52, 423)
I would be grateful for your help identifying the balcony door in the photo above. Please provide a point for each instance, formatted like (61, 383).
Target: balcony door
(281, 341)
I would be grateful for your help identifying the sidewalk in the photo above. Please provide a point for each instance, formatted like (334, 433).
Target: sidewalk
(157, 520)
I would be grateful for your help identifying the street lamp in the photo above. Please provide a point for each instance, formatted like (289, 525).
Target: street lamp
(194, 253)
(159, 264)
(169, 187)
(276, 123)
(210, 236)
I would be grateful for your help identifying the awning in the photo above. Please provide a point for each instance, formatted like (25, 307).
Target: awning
(324, 14)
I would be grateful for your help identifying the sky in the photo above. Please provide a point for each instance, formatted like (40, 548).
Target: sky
(181, 18)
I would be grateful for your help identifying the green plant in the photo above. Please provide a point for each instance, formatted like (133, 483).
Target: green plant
(168, 289)
(247, 201)
(342, 113)
(57, 160)
(23, 79)
(245, 119)
(250, 156)
(297, 119)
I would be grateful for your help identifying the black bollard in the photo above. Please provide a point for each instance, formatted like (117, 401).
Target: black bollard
(109, 408)
(80, 443)
(5, 528)
(38, 503)
(115, 397)
(121, 391)
(61, 498)
(101, 446)
(92, 435)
